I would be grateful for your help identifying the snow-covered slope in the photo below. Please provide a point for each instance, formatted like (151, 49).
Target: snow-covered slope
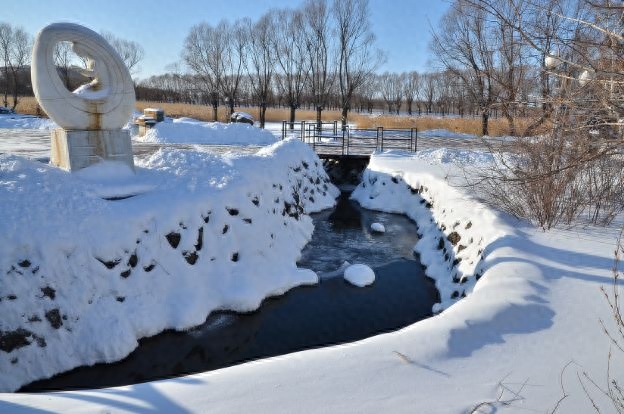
(83, 277)
(454, 230)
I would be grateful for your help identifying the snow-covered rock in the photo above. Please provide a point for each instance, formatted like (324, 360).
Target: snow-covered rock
(359, 275)
(378, 228)
(242, 117)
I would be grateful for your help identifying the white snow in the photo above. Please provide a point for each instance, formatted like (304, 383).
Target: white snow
(359, 275)
(192, 131)
(378, 228)
(520, 340)
(26, 122)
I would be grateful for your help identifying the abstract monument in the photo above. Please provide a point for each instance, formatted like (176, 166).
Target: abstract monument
(91, 117)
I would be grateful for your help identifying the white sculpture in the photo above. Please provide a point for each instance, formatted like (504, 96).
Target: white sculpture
(91, 117)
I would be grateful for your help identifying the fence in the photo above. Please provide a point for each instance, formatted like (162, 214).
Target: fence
(328, 139)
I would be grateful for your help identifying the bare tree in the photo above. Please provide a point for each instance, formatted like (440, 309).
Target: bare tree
(291, 58)
(15, 47)
(411, 84)
(6, 41)
(319, 51)
(391, 86)
(234, 57)
(262, 60)
(428, 90)
(131, 52)
(465, 47)
(204, 48)
(64, 59)
(357, 59)
(574, 165)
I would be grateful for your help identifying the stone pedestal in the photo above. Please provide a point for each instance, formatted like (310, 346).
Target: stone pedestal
(77, 149)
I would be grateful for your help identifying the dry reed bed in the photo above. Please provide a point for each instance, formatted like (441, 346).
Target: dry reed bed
(468, 125)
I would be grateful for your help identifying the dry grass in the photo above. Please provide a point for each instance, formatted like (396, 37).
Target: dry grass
(468, 125)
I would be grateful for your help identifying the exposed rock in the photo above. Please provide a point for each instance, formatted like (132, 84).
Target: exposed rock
(54, 317)
(454, 238)
(174, 239)
(14, 339)
(200, 239)
(242, 117)
(109, 263)
(191, 257)
(24, 263)
(49, 292)
(133, 260)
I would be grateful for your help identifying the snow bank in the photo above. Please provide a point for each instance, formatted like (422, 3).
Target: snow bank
(83, 278)
(191, 131)
(454, 229)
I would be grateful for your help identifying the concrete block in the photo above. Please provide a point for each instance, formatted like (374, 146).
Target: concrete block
(76, 149)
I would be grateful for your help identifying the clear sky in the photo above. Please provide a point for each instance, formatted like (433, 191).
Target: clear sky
(402, 27)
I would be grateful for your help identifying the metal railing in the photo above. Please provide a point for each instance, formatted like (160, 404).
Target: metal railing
(326, 138)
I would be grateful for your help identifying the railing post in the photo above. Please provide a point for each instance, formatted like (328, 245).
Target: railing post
(415, 139)
(382, 136)
(283, 130)
(302, 134)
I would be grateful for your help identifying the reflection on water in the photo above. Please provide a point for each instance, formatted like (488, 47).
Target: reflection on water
(332, 312)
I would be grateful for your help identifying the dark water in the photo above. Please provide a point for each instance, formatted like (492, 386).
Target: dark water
(331, 312)
(343, 234)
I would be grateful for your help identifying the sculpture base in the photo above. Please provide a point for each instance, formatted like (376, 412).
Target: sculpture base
(77, 149)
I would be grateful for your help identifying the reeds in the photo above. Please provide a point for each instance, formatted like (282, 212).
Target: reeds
(467, 125)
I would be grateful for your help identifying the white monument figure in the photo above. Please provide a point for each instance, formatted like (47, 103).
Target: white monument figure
(91, 117)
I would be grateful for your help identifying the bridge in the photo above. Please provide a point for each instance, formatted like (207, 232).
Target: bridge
(330, 141)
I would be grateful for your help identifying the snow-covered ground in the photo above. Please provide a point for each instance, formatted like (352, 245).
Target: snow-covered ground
(18, 121)
(526, 330)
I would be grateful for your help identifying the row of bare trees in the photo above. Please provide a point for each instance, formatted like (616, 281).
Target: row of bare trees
(315, 50)
(15, 47)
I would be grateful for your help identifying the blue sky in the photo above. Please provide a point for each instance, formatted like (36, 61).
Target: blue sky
(402, 26)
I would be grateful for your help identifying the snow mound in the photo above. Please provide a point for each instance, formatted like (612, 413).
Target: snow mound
(378, 228)
(359, 275)
(192, 131)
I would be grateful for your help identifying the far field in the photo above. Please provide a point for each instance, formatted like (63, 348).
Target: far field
(468, 125)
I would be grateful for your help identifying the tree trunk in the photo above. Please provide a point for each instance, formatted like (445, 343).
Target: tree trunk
(293, 108)
(343, 118)
(215, 106)
(485, 116)
(263, 109)
(231, 103)
(319, 109)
